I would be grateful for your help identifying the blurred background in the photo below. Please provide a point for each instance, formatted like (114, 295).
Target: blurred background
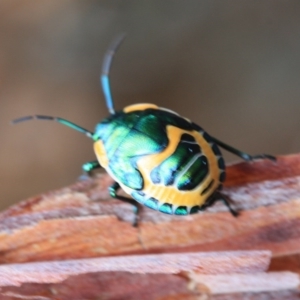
(231, 66)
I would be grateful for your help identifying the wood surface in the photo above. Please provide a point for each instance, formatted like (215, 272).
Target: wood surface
(209, 254)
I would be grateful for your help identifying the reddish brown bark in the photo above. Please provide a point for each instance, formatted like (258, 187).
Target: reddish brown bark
(80, 221)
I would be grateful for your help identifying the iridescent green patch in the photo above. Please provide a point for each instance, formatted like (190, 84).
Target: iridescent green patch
(126, 173)
(169, 170)
(165, 118)
(105, 129)
(138, 196)
(194, 175)
(152, 128)
(89, 166)
(166, 208)
(151, 203)
(181, 210)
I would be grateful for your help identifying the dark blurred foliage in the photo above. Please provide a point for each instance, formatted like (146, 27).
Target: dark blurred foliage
(231, 66)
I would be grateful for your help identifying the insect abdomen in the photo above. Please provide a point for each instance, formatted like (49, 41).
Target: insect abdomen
(185, 168)
(169, 198)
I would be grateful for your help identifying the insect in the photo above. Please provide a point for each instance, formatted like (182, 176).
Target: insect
(162, 160)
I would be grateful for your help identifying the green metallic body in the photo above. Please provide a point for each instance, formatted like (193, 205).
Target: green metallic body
(127, 137)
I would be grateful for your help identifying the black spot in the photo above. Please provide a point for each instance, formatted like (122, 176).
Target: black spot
(187, 138)
(222, 177)
(194, 210)
(208, 187)
(216, 150)
(221, 163)
(206, 136)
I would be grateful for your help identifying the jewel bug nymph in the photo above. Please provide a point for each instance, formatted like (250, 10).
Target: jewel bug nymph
(164, 161)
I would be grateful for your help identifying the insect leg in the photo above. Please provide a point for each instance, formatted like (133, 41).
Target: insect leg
(241, 154)
(113, 193)
(217, 196)
(227, 201)
(90, 166)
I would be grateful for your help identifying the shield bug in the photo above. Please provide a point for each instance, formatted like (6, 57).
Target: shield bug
(162, 160)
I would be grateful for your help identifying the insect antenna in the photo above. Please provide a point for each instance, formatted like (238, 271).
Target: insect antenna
(108, 58)
(106, 69)
(56, 119)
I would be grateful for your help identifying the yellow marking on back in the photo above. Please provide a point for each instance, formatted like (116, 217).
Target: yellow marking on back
(101, 154)
(140, 106)
(171, 194)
